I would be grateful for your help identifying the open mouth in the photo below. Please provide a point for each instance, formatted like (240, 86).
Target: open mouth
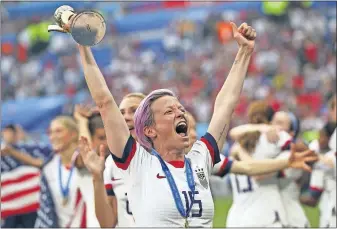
(131, 128)
(181, 129)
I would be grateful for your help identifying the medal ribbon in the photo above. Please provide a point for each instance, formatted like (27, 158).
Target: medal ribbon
(173, 186)
(65, 190)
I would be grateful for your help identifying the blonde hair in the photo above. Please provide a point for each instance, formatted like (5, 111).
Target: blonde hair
(135, 95)
(190, 116)
(69, 123)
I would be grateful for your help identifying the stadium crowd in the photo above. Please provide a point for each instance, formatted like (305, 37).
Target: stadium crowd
(293, 68)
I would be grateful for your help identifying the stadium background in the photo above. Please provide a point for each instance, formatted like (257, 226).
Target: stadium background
(185, 46)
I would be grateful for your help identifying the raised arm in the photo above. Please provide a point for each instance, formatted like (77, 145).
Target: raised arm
(116, 130)
(81, 115)
(229, 94)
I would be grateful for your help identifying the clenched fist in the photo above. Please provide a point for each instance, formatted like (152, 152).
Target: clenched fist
(244, 35)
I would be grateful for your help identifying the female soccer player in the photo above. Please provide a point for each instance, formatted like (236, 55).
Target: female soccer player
(168, 188)
(61, 202)
(113, 209)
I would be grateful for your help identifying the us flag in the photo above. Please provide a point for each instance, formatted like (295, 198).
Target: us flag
(20, 184)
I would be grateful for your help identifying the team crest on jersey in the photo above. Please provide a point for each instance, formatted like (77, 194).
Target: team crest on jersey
(202, 177)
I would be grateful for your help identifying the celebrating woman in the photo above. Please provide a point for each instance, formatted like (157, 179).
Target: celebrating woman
(61, 201)
(167, 186)
(111, 199)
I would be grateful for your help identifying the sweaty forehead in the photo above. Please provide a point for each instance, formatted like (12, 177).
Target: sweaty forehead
(164, 103)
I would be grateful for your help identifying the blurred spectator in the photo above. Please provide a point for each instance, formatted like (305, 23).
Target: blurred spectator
(293, 65)
(9, 135)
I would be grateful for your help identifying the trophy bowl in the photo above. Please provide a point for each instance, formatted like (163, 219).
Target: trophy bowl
(87, 28)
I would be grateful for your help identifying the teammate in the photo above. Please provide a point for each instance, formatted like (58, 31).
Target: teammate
(114, 209)
(90, 125)
(289, 188)
(61, 201)
(322, 180)
(260, 140)
(115, 177)
(157, 163)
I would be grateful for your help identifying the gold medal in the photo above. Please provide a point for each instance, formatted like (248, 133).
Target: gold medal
(186, 223)
(65, 201)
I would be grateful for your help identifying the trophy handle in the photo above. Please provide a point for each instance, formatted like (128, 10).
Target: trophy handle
(56, 28)
(62, 16)
(65, 17)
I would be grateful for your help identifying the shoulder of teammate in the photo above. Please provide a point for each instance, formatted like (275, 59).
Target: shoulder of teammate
(48, 161)
(206, 147)
(133, 154)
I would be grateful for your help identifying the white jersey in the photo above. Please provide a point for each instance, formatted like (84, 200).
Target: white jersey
(150, 195)
(86, 187)
(73, 213)
(258, 203)
(314, 145)
(290, 193)
(116, 182)
(265, 149)
(323, 180)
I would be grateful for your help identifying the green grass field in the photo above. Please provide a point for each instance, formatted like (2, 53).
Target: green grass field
(222, 206)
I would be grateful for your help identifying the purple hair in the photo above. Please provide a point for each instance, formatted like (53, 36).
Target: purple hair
(144, 116)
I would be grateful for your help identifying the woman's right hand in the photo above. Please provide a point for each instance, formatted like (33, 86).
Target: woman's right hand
(94, 162)
(82, 112)
(6, 150)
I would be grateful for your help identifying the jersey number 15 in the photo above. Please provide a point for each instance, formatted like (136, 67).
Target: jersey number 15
(188, 198)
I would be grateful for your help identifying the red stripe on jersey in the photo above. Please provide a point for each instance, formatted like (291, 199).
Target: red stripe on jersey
(78, 197)
(22, 210)
(223, 166)
(84, 217)
(19, 194)
(209, 147)
(108, 186)
(127, 162)
(313, 188)
(286, 145)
